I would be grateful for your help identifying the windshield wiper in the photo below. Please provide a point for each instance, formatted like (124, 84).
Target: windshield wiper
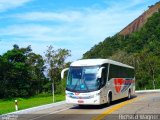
(86, 85)
(76, 84)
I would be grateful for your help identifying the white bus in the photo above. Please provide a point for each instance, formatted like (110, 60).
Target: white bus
(98, 81)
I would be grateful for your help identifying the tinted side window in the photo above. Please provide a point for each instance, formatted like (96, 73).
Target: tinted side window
(113, 71)
(120, 72)
(104, 76)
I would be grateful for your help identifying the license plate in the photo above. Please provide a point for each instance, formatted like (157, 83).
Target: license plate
(80, 101)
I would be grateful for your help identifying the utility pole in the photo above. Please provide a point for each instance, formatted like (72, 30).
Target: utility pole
(53, 90)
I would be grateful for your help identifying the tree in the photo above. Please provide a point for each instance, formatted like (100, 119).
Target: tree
(151, 65)
(21, 73)
(36, 65)
(139, 49)
(56, 61)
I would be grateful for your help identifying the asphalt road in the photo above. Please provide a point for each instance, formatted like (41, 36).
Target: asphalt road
(144, 106)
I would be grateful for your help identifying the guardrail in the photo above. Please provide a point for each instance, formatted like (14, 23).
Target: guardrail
(147, 91)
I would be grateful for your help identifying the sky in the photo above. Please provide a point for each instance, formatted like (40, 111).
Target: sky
(76, 25)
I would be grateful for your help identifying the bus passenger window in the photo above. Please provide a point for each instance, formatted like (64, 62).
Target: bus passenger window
(104, 77)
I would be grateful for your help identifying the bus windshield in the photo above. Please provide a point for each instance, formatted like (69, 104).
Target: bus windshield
(82, 79)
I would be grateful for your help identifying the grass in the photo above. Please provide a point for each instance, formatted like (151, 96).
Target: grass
(7, 106)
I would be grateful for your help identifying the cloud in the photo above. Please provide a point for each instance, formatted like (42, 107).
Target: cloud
(125, 4)
(10, 4)
(68, 16)
(91, 24)
(24, 30)
(76, 30)
(41, 33)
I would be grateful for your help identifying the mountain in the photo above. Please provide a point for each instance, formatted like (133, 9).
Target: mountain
(138, 45)
(141, 20)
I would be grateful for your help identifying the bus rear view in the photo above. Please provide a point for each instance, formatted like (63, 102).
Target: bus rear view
(89, 82)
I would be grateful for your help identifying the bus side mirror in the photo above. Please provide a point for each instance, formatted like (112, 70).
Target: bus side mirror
(63, 71)
(99, 74)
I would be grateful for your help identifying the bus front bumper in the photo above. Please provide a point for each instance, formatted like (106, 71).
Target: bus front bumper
(90, 101)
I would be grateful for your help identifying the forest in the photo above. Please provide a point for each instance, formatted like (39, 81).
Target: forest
(140, 49)
(24, 73)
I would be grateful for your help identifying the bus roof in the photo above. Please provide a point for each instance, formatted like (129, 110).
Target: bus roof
(94, 62)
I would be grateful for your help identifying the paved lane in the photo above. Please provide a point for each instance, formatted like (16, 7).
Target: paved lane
(146, 108)
(148, 103)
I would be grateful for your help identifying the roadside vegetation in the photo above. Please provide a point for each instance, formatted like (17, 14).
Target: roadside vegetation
(140, 49)
(7, 106)
(22, 72)
(29, 77)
